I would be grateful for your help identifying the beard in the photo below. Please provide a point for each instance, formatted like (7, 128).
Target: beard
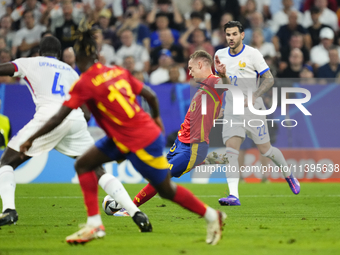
(236, 44)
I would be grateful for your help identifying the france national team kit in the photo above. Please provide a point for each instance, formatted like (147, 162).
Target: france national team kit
(49, 81)
(244, 70)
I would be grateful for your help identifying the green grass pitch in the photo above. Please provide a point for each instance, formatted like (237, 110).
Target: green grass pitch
(271, 220)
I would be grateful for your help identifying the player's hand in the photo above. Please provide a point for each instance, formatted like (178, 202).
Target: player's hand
(25, 147)
(220, 68)
(159, 122)
(220, 115)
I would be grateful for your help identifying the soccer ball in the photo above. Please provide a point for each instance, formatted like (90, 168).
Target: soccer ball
(110, 206)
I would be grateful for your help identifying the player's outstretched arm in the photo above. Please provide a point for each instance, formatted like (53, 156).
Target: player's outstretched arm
(51, 124)
(266, 84)
(221, 70)
(152, 100)
(7, 69)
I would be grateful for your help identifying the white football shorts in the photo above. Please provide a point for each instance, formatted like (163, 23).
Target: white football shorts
(255, 126)
(71, 138)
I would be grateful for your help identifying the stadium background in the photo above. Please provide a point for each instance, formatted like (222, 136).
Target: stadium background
(314, 140)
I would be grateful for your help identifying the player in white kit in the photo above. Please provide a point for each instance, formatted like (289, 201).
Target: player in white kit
(49, 81)
(244, 66)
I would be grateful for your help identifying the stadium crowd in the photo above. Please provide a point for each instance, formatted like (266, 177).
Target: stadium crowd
(154, 38)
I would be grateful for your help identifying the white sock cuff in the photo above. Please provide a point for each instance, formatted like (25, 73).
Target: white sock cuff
(6, 169)
(269, 152)
(232, 151)
(105, 179)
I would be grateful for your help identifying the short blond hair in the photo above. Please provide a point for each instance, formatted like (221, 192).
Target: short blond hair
(202, 54)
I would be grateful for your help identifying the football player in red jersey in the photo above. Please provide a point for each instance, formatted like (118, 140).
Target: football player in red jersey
(110, 94)
(192, 143)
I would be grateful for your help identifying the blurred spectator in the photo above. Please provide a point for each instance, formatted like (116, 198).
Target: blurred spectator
(105, 50)
(162, 22)
(167, 42)
(266, 48)
(250, 8)
(6, 29)
(314, 29)
(161, 74)
(132, 22)
(295, 65)
(184, 7)
(28, 37)
(66, 16)
(70, 58)
(169, 8)
(3, 44)
(29, 5)
(5, 130)
(199, 42)
(46, 34)
(307, 75)
(99, 6)
(65, 26)
(276, 6)
(262, 6)
(327, 16)
(331, 4)
(281, 17)
(281, 39)
(5, 56)
(296, 41)
(110, 37)
(319, 53)
(119, 7)
(4, 7)
(223, 6)
(199, 7)
(218, 39)
(129, 63)
(332, 68)
(174, 74)
(130, 48)
(256, 22)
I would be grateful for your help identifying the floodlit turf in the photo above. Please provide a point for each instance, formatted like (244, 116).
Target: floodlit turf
(271, 220)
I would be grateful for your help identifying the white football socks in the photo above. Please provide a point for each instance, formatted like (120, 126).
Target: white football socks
(7, 187)
(113, 187)
(94, 221)
(276, 156)
(210, 214)
(233, 177)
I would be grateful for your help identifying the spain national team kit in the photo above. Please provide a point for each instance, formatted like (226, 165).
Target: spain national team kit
(110, 94)
(192, 143)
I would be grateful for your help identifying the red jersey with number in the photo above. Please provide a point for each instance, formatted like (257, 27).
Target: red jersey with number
(196, 126)
(110, 94)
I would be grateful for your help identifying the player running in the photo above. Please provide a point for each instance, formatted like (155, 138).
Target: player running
(192, 143)
(244, 65)
(49, 81)
(110, 94)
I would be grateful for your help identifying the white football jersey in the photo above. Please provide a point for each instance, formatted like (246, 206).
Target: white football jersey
(245, 68)
(49, 81)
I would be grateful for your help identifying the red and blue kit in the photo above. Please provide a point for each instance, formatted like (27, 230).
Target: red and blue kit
(110, 94)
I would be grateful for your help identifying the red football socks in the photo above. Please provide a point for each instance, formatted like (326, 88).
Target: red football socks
(186, 199)
(89, 185)
(144, 195)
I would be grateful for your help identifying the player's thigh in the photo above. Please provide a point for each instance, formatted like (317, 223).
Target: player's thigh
(104, 150)
(77, 140)
(42, 144)
(179, 158)
(258, 129)
(235, 127)
(150, 162)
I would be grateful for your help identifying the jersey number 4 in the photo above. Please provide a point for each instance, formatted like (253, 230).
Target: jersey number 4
(57, 88)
